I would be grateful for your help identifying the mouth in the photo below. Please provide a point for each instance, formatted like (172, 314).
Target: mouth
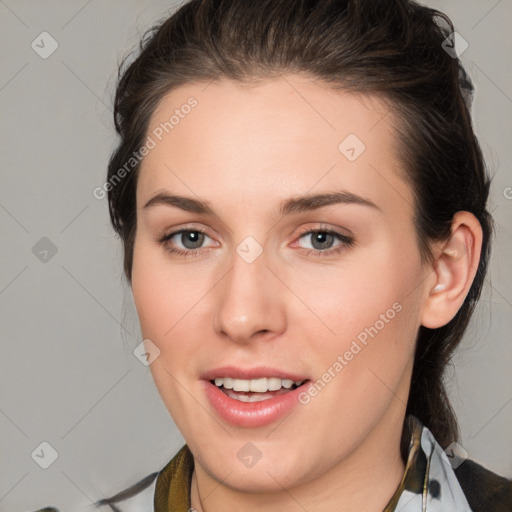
(252, 398)
(255, 390)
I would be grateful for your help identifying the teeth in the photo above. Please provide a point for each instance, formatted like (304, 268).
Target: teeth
(256, 385)
(241, 385)
(287, 383)
(274, 384)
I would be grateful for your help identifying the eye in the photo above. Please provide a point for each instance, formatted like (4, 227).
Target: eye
(184, 242)
(321, 241)
(189, 242)
(190, 239)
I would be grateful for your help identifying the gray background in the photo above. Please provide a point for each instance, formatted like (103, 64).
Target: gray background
(68, 374)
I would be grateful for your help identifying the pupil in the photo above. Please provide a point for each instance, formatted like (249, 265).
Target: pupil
(322, 237)
(192, 239)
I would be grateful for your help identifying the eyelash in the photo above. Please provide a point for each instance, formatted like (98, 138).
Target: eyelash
(346, 241)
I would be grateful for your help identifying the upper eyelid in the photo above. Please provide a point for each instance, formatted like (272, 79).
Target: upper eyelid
(344, 232)
(344, 239)
(172, 234)
(301, 232)
(187, 227)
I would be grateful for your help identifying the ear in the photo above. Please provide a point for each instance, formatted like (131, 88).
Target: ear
(454, 268)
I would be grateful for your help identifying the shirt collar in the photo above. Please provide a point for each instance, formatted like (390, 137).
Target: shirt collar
(429, 483)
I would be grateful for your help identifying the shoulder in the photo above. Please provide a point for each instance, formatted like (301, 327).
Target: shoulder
(136, 497)
(132, 499)
(152, 490)
(157, 491)
(484, 489)
(466, 486)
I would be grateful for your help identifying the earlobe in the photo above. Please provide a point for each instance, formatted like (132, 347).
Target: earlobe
(454, 270)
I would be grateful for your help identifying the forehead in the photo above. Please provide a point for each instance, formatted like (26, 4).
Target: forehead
(287, 135)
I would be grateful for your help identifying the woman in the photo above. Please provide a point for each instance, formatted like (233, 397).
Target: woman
(302, 203)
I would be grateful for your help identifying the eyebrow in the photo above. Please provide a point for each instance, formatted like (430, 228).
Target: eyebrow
(293, 205)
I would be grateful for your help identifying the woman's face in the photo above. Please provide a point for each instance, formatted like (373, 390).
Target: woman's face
(290, 255)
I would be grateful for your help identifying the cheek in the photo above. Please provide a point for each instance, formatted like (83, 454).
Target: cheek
(162, 300)
(375, 291)
(370, 314)
(151, 300)
(159, 293)
(168, 302)
(364, 347)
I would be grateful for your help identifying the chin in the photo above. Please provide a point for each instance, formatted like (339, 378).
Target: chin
(271, 468)
(263, 479)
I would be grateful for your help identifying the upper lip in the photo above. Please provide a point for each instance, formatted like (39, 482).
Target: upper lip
(251, 373)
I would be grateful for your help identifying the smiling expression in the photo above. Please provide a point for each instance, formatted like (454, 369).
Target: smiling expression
(273, 229)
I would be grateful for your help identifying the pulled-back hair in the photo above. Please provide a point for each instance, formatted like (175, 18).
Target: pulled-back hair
(390, 48)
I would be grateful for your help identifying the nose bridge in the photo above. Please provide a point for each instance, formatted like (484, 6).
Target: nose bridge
(249, 299)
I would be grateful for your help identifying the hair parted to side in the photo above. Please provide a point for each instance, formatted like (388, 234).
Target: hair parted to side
(391, 48)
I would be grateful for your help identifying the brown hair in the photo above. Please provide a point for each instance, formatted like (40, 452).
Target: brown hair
(393, 48)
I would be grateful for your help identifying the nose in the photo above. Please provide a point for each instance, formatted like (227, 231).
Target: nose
(250, 301)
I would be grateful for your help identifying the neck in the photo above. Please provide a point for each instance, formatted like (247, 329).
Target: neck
(376, 466)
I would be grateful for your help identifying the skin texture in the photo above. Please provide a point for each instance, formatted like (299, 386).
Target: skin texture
(245, 150)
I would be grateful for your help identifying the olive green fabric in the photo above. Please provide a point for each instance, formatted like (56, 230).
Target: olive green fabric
(173, 483)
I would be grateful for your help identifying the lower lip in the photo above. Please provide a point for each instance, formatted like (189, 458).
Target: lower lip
(252, 414)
